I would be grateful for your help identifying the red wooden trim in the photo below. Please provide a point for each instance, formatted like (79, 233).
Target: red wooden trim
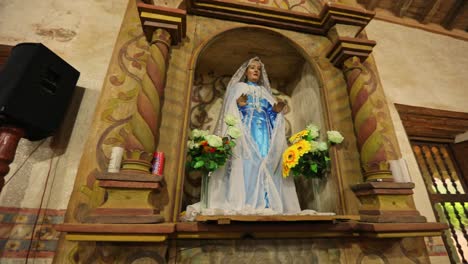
(164, 228)
(133, 177)
(130, 185)
(400, 227)
(383, 185)
(123, 211)
(383, 191)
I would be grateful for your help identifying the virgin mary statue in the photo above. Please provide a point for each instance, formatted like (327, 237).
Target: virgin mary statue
(251, 182)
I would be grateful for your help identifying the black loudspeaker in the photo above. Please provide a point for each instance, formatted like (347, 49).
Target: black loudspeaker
(36, 87)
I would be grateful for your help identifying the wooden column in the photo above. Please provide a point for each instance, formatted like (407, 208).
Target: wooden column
(163, 27)
(145, 122)
(382, 199)
(128, 191)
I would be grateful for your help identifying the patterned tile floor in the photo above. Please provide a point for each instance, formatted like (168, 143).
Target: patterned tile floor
(26, 231)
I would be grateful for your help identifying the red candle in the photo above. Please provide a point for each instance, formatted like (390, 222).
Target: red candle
(158, 163)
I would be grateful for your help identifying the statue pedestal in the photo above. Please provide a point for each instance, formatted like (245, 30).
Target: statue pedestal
(387, 202)
(127, 199)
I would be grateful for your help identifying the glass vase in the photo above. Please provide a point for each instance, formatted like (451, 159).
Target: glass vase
(204, 190)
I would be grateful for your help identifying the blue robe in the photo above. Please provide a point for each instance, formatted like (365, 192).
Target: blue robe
(262, 121)
(260, 118)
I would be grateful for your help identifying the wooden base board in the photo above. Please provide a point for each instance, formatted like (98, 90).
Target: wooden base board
(227, 219)
(163, 228)
(117, 232)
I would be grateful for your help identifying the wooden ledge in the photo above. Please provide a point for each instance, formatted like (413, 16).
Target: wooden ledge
(389, 230)
(131, 177)
(239, 230)
(164, 228)
(265, 227)
(227, 219)
(117, 232)
(242, 229)
(383, 185)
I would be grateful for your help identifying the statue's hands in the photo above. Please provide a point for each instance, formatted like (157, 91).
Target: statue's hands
(242, 100)
(279, 106)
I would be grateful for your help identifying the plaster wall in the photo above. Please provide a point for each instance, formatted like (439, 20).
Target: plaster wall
(83, 33)
(424, 69)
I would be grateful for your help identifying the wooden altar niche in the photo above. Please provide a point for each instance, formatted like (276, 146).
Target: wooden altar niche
(294, 78)
(323, 46)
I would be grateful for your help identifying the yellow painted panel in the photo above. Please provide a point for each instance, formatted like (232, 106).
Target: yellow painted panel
(356, 46)
(125, 198)
(116, 237)
(161, 17)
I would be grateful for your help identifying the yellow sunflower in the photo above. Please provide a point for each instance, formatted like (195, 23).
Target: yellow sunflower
(286, 170)
(290, 157)
(303, 146)
(298, 135)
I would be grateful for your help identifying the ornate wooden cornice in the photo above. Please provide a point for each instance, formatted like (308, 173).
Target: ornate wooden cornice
(171, 19)
(421, 122)
(330, 15)
(346, 47)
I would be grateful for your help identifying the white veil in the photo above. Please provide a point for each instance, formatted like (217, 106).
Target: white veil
(227, 185)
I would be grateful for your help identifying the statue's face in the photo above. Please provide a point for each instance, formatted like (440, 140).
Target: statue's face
(254, 71)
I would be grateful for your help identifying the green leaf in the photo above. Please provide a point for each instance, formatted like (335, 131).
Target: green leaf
(212, 165)
(314, 167)
(199, 164)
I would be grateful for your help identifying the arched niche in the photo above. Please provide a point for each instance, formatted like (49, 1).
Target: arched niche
(293, 78)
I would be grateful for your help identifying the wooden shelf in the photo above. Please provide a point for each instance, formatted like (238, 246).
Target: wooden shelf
(117, 232)
(227, 219)
(388, 230)
(239, 229)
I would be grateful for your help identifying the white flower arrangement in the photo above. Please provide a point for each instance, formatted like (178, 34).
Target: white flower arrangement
(208, 152)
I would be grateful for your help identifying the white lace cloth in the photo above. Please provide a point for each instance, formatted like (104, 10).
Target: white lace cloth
(194, 210)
